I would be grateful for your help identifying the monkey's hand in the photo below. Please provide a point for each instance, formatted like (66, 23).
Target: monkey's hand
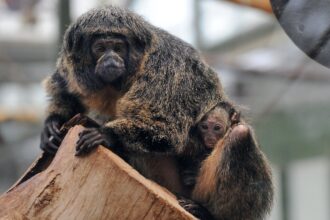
(51, 136)
(195, 208)
(91, 138)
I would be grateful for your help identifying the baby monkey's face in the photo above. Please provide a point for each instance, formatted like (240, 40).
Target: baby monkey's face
(214, 126)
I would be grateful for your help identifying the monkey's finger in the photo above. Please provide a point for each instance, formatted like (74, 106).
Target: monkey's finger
(195, 209)
(88, 135)
(92, 143)
(55, 127)
(50, 143)
(84, 137)
(55, 138)
(88, 147)
(52, 146)
(88, 131)
(96, 142)
(185, 203)
(60, 130)
(54, 132)
(48, 146)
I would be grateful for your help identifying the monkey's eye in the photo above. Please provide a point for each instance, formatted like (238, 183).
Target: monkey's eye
(118, 48)
(100, 48)
(217, 128)
(204, 126)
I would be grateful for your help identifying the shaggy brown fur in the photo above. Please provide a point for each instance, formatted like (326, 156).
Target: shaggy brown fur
(168, 90)
(150, 109)
(235, 181)
(223, 116)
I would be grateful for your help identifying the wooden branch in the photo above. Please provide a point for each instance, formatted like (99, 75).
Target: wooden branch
(260, 4)
(98, 186)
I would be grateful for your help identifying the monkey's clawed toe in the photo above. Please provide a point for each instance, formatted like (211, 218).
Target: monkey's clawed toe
(89, 139)
(195, 209)
(51, 137)
(47, 145)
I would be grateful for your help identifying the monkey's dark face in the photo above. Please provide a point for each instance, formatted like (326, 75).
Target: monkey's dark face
(110, 55)
(105, 47)
(213, 127)
(103, 59)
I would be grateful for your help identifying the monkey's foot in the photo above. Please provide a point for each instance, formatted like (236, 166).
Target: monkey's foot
(195, 208)
(91, 138)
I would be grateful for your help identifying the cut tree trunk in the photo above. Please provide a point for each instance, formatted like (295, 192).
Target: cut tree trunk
(98, 186)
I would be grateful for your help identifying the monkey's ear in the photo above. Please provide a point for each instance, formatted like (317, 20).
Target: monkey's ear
(235, 116)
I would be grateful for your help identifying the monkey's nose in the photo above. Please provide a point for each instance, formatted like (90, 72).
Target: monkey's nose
(210, 143)
(113, 60)
(113, 63)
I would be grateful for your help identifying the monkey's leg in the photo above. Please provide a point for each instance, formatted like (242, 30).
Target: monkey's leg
(240, 186)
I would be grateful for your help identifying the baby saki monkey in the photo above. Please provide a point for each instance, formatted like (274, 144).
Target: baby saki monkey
(211, 129)
(234, 181)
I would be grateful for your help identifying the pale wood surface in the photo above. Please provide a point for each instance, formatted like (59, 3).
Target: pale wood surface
(98, 186)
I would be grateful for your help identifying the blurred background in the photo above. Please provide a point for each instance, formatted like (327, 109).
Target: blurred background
(285, 94)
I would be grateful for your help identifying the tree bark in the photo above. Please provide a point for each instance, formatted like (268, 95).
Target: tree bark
(98, 186)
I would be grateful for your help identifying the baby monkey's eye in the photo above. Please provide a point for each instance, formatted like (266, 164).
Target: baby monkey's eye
(217, 128)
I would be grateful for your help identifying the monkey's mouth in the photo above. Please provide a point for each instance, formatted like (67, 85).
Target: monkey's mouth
(109, 73)
(210, 143)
